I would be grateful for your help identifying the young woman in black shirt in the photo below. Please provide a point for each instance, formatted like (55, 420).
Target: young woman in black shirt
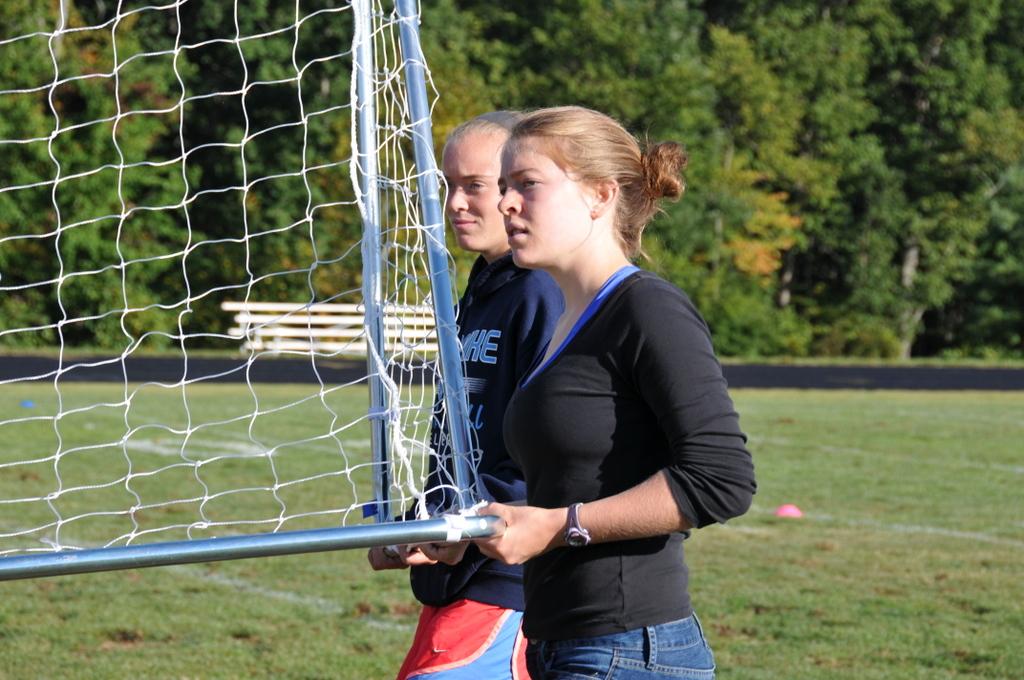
(624, 428)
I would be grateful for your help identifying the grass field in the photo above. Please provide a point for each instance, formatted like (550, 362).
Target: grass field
(907, 564)
(234, 458)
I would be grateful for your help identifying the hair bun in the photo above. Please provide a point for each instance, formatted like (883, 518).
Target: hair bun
(663, 165)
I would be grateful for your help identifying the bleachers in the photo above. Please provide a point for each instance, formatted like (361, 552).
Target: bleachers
(335, 328)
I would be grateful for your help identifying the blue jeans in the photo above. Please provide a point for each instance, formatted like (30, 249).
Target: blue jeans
(670, 650)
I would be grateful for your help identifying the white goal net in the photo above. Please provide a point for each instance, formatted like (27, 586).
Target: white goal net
(214, 265)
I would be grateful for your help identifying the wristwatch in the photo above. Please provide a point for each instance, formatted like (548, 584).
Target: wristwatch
(575, 535)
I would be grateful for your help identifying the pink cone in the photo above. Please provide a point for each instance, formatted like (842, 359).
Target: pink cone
(788, 510)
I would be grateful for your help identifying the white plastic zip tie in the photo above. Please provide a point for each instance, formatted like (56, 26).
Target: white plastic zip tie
(457, 523)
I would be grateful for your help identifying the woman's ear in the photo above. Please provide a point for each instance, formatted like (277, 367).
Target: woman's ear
(601, 197)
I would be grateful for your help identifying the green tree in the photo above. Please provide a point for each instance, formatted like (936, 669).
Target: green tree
(985, 317)
(854, 176)
(82, 210)
(934, 88)
(171, 179)
(911, 107)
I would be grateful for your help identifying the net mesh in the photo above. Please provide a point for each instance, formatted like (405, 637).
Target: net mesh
(180, 185)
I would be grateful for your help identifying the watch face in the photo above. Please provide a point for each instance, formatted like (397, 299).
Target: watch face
(575, 535)
(576, 539)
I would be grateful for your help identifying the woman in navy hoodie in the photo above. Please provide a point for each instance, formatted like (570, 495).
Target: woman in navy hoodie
(470, 626)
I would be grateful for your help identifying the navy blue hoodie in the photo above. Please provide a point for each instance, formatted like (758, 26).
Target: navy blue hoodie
(506, 318)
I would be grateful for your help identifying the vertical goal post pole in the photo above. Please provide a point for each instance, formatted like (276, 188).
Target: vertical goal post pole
(366, 180)
(449, 355)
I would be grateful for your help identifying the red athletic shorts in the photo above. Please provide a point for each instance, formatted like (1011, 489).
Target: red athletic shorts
(467, 640)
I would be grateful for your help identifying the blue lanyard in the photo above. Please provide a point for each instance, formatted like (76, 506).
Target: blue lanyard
(602, 294)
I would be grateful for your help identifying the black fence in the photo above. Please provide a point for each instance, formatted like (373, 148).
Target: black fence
(266, 369)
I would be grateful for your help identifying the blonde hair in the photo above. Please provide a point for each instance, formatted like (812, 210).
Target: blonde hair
(493, 122)
(592, 148)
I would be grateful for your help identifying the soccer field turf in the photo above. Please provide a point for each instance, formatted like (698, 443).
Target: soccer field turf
(906, 563)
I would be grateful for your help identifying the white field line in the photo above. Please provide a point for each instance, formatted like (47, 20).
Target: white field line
(917, 460)
(900, 528)
(312, 602)
(320, 604)
(929, 415)
(232, 449)
(745, 529)
(240, 449)
(921, 416)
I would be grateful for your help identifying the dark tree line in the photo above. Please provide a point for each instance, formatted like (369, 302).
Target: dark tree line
(855, 186)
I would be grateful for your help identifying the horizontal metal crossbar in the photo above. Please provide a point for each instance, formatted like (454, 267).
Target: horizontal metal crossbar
(65, 562)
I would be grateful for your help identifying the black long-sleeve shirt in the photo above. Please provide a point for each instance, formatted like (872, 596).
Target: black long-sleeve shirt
(637, 390)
